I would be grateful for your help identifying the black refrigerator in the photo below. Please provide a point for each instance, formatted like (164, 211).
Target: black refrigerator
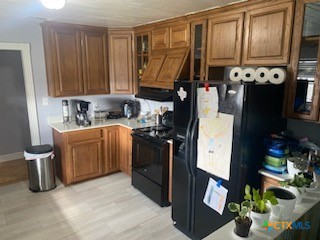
(257, 111)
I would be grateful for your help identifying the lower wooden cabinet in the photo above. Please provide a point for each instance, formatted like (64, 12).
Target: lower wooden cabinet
(111, 149)
(86, 154)
(125, 150)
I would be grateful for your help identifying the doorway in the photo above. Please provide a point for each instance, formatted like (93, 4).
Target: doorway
(18, 119)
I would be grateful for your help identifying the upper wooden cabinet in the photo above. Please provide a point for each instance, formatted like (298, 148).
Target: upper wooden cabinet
(267, 35)
(165, 67)
(303, 89)
(76, 59)
(180, 36)
(225, 40)
(171, 37)
(95, 62)
(160, 38)
(121, 69)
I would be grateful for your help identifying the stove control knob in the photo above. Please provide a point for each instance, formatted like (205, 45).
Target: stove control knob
(145, 169)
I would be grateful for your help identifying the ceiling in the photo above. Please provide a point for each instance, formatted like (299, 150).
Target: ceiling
(108, 13)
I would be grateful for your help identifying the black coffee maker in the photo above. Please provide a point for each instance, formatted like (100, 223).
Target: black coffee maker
(82, 107)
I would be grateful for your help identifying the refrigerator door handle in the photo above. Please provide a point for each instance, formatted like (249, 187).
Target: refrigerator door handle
(187, 146)
(192, 148)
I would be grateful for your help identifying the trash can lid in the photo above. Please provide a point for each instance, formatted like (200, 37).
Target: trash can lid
(39, 149)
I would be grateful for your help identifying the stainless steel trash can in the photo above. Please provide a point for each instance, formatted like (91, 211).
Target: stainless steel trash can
(41, 168)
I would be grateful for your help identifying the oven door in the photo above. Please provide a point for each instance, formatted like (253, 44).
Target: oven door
(147, 157)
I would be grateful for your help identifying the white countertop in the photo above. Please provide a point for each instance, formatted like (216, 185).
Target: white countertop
(129, 123)
(309, 200)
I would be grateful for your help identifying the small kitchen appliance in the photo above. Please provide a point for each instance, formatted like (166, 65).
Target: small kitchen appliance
(81, 115)
(130, 108)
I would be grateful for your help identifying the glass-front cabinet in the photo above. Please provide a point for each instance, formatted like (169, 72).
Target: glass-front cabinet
(304, 89)
(197, 54)
(142, 53)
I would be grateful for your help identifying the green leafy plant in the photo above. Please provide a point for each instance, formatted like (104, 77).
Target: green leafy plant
(240, 210)
(299, 161)
(297, 181)
(259, 201)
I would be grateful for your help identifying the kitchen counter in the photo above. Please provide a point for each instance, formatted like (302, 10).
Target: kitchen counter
(310, 204)
(129, 123)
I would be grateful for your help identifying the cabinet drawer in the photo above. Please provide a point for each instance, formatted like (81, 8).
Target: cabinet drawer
(84, 135)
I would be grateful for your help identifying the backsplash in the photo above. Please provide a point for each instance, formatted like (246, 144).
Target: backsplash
(149, 105)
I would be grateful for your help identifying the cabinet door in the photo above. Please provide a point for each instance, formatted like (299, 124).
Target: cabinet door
(151, 73)
(160, 38)
(66, 71)
(125, 150)
(111, 149)
(95, 63)
(268, 35)
(121, 63)
(85, 160)
(225, 40)
(180, 36)
(170, 70)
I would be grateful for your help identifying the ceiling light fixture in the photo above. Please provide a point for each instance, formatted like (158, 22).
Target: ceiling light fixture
(53, 4)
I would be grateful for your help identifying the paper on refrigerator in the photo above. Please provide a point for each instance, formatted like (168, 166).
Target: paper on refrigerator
(215, 196)
(208, 102)
(215, 145)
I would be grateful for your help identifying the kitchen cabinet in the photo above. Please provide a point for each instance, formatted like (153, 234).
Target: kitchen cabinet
(78, 155)
(121, 66)
(142, 53)
(177, 36)
(225, 39)
(160, 38)
(165, 67)
(303, 89)
(198, 50)
(85, 154)
(76, 59)
(267, 35)
(111, 139)
(125, 150)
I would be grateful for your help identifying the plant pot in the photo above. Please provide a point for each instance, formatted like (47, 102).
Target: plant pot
(258, 219)
(291, 169)
(243, 227)
(286, 203)
(298, 192)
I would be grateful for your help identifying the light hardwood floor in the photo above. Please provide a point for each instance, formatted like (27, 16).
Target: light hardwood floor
(13, 171)
(103, 208)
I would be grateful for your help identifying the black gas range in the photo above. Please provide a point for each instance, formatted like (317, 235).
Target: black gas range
(159, 133)
(150, 162)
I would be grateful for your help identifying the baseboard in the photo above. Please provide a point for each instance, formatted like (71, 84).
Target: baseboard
(10, 157)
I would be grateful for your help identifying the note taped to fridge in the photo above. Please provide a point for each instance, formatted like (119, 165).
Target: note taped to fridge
(215, 145)
(215, 197)
(208, 102)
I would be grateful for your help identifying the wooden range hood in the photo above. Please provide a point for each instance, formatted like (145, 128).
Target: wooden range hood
(166, 66)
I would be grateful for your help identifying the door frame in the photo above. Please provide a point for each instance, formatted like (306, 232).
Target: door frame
(24, 49)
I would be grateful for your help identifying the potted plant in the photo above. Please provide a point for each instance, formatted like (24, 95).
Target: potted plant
(297, 164)
(297, 185)
(260, 211)
(243, 222)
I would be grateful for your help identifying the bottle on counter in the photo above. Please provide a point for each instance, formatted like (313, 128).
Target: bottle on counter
(65, 111)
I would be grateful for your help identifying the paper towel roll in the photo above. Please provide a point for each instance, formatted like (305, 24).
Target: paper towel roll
(262, 74)
(235, 74)
(248, 74)
(277, 75)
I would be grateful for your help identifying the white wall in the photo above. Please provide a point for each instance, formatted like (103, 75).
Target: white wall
(29, 31)
(302, 129)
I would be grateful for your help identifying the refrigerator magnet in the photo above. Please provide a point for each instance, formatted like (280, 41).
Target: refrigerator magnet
(215, 196)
